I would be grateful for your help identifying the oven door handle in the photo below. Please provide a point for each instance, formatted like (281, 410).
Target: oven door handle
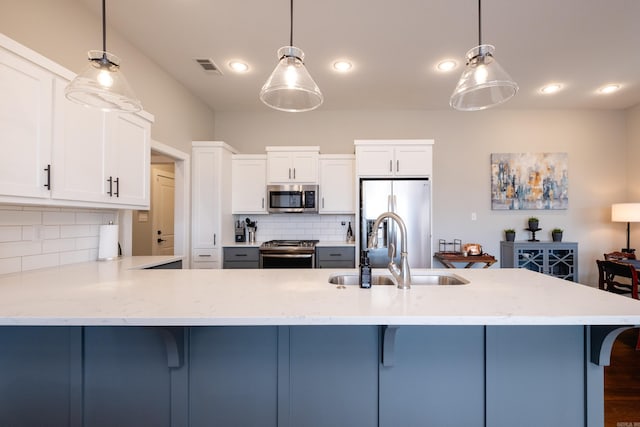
(286, 255)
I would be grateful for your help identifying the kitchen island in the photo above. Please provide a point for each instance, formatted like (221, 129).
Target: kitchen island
(286, 348)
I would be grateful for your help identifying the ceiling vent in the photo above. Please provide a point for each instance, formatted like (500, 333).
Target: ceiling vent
(209, 66)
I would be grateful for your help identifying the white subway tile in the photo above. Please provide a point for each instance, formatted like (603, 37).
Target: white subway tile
(10, 234)
(87, 242)
(10, 265)
(88, 218)
(51, 232)
(13, 249)
(58, 245)
(40, 261)
(77, 256)
(10, 217)
(67, 231)
(58, 218)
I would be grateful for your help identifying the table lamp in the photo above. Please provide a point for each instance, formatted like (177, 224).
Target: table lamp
(626, 212)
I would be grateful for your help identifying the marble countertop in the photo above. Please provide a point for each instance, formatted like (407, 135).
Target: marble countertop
(119, 293)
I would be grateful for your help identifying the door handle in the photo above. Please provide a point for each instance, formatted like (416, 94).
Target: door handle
(48, 171)
(161, 240)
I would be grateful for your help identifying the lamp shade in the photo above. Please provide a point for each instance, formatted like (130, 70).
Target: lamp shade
(102, 85)
(483, 83)
(625, 212)
(290, 86)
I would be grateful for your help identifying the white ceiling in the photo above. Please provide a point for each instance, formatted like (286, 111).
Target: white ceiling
(394, 46)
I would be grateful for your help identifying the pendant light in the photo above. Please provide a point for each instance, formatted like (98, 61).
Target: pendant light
(290, 87)
(102, 85)
(483, 83)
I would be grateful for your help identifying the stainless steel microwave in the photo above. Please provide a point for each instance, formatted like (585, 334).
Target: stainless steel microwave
(292, 198)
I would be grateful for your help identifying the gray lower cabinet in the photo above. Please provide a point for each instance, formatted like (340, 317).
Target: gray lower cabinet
(335, 257)
(559, 259)
(233, 257)
(281, 376)
(435, 377)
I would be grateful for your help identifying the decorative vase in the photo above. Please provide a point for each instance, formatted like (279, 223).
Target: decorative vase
(510, 236)
(556, 236)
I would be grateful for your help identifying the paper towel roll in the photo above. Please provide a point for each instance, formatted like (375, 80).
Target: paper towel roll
(108, 242)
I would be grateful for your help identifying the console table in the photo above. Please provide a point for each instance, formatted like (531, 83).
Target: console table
(448, 259)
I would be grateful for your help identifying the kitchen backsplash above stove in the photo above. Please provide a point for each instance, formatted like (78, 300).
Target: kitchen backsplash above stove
(327, 228)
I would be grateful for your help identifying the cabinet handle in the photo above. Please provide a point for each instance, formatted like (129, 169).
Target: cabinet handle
(204, 255)
(294, 173)
(48, 171)
(335, 254)
(323, 203)
(214, 239)
(397, 165)
(289, 173)
(110, 192)
(117, 187)
(241, 254)
(263, 203)
(390, 165)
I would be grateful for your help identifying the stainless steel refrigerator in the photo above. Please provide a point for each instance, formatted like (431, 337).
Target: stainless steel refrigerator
(411, 200)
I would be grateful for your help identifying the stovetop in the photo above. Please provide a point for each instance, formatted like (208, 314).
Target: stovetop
(289, 244)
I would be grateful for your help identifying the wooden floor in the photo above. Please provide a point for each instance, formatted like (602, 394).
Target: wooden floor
(622, 383)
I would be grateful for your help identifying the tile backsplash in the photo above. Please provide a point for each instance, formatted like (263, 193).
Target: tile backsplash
(301, 226)
(38, 237)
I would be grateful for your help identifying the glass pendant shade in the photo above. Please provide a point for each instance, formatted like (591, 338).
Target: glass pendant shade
(483, 83)
(102, 85)
(290, 86)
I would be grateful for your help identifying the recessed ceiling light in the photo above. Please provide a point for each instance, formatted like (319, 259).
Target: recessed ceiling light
(342, 66)
(446, 65)
(610, 88)
(550, 88)
(238, 66)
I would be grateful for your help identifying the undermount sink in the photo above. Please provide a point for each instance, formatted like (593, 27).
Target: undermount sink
(416, 279)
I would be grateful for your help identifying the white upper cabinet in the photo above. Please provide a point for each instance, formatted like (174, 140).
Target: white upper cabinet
(61, 153)
(405, 158)
(25, 126)
(337, 184)
(127, 160)
(249, 183)
(292, 165)
(78, 155)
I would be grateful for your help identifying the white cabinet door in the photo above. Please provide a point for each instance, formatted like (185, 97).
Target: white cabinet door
(26, 110)
(279, 167)
(128, 159)
(413, 160)
(305, 167)
(337, 185)
(394, 158)
(292, 167)
(205, 193)
(78, 150)
(375, 160)
(249, 183)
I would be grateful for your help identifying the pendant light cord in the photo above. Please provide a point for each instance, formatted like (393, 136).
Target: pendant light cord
(479, 22)
(291, 25)
(104, 27)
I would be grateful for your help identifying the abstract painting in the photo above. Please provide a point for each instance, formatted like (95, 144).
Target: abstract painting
(521, 181)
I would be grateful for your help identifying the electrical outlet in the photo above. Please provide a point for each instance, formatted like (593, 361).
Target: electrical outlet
(474, 216)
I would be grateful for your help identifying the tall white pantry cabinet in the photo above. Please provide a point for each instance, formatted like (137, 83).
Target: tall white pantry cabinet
(211, 218)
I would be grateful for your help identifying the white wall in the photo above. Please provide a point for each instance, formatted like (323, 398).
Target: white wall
(596, 142)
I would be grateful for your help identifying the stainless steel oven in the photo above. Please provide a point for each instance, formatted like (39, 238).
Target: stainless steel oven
(288, 254)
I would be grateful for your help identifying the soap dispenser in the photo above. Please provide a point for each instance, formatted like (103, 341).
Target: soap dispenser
(365, 270)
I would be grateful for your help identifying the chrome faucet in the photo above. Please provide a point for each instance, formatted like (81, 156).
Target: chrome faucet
(400, 273)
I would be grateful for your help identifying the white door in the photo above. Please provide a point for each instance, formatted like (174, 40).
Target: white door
(162, 204)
